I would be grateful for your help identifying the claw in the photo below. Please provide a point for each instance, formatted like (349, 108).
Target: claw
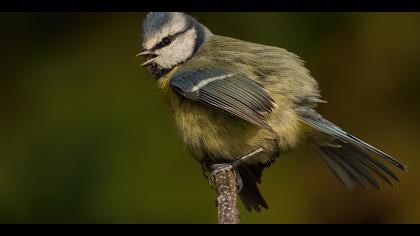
(217, 168)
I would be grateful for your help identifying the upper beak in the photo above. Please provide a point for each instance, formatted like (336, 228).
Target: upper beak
(144, 53)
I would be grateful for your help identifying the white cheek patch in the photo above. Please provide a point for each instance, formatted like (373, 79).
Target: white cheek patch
(177, 23)
(178, 51)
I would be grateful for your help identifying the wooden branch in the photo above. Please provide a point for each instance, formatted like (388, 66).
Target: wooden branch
(224, 181)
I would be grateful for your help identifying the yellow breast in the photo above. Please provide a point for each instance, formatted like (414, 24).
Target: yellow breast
(211, 133)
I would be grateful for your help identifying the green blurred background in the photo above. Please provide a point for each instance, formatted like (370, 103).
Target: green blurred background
(86, 138)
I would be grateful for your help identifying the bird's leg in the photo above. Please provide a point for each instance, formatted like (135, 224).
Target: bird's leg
(216, 169)
(246, 157)
(223, 167)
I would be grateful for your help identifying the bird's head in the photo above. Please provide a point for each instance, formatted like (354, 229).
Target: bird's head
(170, 39)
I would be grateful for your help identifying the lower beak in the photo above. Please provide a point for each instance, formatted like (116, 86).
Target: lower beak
(149, 62)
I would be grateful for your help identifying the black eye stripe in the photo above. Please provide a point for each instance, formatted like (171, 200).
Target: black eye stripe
(169, 39)
(165, 42)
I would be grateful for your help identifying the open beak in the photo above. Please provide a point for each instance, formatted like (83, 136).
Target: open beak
(148, 54)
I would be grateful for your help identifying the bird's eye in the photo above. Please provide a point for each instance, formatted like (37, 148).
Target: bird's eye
(165, 42)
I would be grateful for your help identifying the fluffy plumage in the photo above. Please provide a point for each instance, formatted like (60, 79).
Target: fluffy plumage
(231, 97)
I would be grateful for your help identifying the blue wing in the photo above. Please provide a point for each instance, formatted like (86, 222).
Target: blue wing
(230, 92)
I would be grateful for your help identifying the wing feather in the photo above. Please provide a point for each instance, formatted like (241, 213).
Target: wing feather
(232, 93)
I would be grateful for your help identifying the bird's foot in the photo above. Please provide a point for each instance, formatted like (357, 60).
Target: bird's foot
(223, 167)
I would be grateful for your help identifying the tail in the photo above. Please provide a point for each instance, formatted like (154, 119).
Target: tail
(348, 157)
(250, 194)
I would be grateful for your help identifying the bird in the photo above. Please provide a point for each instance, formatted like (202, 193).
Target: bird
(230, 97)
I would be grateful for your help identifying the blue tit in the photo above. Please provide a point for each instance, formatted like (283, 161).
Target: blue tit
(231, 97)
